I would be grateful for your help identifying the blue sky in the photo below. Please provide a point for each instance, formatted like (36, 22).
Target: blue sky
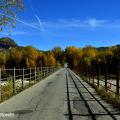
(48, 23)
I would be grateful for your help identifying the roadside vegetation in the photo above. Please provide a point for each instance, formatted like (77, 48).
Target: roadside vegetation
(109, 97)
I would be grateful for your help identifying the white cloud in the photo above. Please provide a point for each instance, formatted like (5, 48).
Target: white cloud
(76, 23)
(96, 23)
(43, 25)
(87, 23)
(93, 22)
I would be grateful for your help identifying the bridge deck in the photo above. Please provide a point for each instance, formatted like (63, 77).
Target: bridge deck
(61, 96)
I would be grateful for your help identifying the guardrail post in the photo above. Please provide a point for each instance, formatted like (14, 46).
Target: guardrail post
(87, 77)
(89, 73)
(117, 80)
(35, 74)
(44, 71)
(98, 76)
(41, 74)
(30, 77)
(105, 77)
(14, 81)
(48, 70)
(0, 85)
(93, 75)
(23, 79)
(51, 69)
(86, 73)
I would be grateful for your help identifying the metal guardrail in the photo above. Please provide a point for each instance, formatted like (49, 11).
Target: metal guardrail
(15, 80)
(111, 82)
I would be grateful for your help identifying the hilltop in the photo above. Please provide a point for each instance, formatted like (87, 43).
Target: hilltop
(7, 43)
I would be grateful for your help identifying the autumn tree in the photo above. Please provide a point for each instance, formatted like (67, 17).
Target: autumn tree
(59, 55)
(30, 55)
(89, 53)
(3, 59)
(73, 56)
(40, 59)
(50, 59)
(8, 12)
(14, 58)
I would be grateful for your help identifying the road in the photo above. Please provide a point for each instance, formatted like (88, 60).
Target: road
(61, 96)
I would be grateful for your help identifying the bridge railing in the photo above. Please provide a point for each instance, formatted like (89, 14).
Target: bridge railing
(12, 81)
(105, 76)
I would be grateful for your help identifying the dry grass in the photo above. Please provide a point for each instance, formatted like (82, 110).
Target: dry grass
(109, 97)
(7, 90)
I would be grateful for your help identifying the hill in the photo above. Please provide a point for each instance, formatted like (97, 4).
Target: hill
(105, 48)
(7, 43)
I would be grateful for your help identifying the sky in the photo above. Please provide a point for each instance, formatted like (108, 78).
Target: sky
(45, 24)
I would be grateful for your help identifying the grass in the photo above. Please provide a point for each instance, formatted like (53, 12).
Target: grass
(7, 90)
(110, 97)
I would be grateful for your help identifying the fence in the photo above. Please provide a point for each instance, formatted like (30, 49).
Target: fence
(15, 80)
(104, 76)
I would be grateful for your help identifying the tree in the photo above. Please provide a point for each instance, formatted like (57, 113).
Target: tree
(14, 58)
(31, 55)
(39, 59)
(73, 56)
(8, 12)
(50, 59)
(3, 59)
(89, 53)
(59, 55)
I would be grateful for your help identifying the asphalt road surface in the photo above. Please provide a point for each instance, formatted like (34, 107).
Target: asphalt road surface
(61, 96)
